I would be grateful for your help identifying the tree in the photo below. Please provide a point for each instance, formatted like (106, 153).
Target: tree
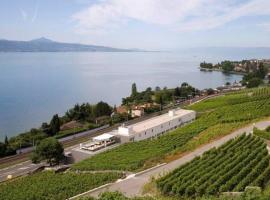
(6, 141)
(210, 91)
(3, 149)
(45, 127)
(134, 90)
(49, 149)
(102, 109)
(262, 71)
(185, 84)
(177, 92)
(254, 82)
(54, 125)
(227, 66)
(157, 89)
(159, 98)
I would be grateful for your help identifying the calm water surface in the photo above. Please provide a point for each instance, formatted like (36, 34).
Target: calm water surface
(34, 86)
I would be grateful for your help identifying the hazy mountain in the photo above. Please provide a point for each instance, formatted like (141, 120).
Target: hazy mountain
(47, 45)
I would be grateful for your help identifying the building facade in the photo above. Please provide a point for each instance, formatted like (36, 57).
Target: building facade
(155, 126)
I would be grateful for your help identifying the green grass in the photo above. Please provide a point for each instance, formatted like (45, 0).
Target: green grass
(53, 186)
(241, 162)
(220, 116)
(265, 134)
(73, 131)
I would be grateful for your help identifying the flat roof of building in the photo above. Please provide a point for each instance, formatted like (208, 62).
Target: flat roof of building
(103, 137)
(155, 121)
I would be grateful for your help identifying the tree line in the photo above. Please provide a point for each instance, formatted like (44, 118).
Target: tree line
(83, 113)
(159, 96)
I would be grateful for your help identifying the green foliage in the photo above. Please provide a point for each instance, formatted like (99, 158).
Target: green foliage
(6, 149)
(254, 82)
(232, 167)
(27, 139)
(53, 186)
(224, 113)
(85, 113)
(138, 97)
(102, 109)
(206, 65)
(88, 112)
(262, 133)
(54, 125)
(134, 90)
(50, 150)
(227, 66)
(255, 78)
(160, 96)
(68, 132)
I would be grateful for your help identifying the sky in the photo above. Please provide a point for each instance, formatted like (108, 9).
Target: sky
(144, 24)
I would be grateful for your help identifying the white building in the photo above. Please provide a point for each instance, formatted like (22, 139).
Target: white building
(137, 112)
(155, 126)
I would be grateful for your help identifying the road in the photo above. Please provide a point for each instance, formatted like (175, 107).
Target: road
(19, 169)
(133, 184)
(27, 167)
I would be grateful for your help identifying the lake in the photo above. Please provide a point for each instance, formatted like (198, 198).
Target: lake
(34, 86)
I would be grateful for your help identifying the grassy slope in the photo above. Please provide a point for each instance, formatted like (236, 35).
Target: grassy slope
(218, 117)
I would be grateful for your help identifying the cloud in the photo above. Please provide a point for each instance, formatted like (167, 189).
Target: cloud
(30, 16)
(35, 11)
(180, 15)
(24, 14)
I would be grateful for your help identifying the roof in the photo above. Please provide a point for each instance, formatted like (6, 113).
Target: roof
(103, 137)
(156, 121)
(121, 109)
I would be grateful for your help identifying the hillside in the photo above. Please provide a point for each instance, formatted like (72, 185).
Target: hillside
(217, 117)
(239, 163)
(47, 45)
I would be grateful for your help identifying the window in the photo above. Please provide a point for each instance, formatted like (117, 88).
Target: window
(152, 130)
(145, 133)
(140, 135)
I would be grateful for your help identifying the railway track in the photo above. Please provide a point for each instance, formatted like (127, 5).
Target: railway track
(75, 140)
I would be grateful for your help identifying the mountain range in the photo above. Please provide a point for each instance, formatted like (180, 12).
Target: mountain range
(47, 45)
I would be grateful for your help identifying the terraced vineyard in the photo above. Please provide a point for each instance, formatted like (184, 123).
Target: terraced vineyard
(53, 186)
(241, 162)
(218, 117)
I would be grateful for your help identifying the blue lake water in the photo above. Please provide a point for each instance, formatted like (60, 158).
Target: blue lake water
(34, 86)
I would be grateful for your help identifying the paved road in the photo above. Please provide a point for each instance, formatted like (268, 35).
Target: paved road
(18, 170)
(132, 186)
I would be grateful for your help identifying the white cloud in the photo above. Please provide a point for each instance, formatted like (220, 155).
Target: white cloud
(35, 11)
(182, 15)
(24, 14)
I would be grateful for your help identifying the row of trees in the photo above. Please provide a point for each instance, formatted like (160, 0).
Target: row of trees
(88, 112)
(83, 113)
(226, 65)
(160, 96)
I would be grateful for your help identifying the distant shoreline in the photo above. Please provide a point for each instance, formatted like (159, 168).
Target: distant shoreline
(220, 70)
